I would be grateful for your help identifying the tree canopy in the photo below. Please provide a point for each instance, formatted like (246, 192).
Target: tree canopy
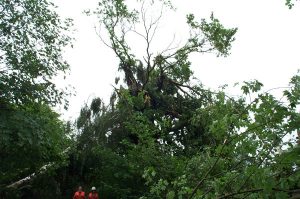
(175, 138)
(32, 39)
(163, 134)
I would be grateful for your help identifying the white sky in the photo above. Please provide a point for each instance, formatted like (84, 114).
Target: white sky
(267, 46)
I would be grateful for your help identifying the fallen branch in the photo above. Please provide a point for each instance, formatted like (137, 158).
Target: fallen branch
(30, 177)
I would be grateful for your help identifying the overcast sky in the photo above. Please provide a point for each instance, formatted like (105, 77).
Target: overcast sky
(267, 46)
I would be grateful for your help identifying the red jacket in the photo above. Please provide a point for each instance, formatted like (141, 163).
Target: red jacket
(93, 196)
(79, 195)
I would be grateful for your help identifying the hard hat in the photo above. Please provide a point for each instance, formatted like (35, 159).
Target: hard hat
(93, 188)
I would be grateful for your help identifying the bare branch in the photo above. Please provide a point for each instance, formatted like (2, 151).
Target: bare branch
(148, 39)
(185, 92)
(187, 49)
(169, 48)
(140, 34)
(101, 38)
(186, 86)
(156, 22)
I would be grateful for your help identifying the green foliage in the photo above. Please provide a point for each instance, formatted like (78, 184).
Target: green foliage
(178, 139)
(165, 136)
(290, 3)
(32, 40)
(243, 158)
(219, 37)
(30, 138)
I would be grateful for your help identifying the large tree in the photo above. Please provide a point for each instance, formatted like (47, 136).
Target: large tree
(184, 140)
(164, 135)
(158, 85)
(149, 116)
(32, 39)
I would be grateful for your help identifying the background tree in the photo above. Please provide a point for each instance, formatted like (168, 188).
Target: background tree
(32, 39)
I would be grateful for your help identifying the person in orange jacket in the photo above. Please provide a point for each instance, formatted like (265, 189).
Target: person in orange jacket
(79, 194)
(93, 194)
